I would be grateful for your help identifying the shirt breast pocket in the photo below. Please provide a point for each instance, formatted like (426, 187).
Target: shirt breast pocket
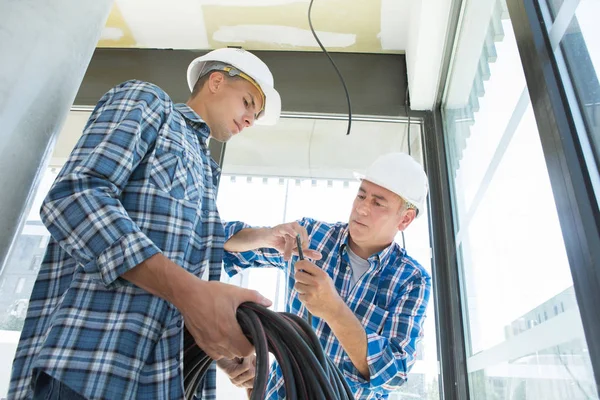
(375, 318)
(172, 170)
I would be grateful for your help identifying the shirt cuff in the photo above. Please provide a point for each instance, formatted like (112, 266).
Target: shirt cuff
(127, 252)
(231, 228)
(383, 367)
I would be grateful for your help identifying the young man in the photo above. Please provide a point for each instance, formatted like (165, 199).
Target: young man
(367, 296)
(134, 225)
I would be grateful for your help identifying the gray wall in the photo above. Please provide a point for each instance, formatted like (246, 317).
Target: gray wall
(306, 81)
(45, 47)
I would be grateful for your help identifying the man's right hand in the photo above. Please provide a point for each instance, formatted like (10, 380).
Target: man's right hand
(283, 238)
(209, 312)
(208, 308)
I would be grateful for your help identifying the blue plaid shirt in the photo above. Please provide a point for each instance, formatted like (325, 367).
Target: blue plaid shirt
(139, 182)
(390, 300)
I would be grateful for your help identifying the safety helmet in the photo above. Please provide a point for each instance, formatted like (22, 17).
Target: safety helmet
(252, 68)
(400, 174)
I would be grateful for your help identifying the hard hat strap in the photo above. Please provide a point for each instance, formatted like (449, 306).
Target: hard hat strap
(234, 71)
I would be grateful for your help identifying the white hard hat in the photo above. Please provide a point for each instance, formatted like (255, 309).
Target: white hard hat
(250, 65)
(400, 174)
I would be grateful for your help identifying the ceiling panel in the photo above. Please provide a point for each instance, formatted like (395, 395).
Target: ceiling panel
(373, 26)
(417, 28)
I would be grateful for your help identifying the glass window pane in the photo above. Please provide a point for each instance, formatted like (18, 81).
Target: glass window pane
(578, 56)
(582, 49)
(508, 239)
(524, 334)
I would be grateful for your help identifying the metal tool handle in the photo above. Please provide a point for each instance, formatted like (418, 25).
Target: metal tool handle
(299, 244)
(301, 257)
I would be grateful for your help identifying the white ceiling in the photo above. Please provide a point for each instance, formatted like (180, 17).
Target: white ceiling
(414, 27)
(374, 26)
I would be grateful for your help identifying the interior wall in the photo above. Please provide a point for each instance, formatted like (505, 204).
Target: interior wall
(306, 80)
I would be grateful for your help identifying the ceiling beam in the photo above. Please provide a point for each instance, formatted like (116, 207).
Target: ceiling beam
(306, 80)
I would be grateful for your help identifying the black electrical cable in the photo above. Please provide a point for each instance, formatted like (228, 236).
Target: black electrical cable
(407, 112)
(332, 63)
(308, 374)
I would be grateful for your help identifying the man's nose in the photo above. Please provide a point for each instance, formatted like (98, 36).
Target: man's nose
(249, 120)
(362, 208)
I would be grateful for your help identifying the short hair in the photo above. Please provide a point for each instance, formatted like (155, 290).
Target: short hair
(407, 205)
(207, 70)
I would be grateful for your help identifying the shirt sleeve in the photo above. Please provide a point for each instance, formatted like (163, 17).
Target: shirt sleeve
(235, 262)
(392, 352)
(82, 211)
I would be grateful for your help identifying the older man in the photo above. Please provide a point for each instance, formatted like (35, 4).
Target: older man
(367, 295)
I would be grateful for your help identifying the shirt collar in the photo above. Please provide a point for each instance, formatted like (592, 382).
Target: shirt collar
(383, 256)
(344, 238)
(195, 121)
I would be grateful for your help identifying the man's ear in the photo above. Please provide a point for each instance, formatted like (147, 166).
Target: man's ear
(215, 81)
(408, 216)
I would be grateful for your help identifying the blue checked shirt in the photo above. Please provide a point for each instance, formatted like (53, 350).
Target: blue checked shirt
(139, 182)
(389, 299)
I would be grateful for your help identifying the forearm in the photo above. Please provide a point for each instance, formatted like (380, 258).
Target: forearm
(247, 239)
(163, 278)
(352, 336)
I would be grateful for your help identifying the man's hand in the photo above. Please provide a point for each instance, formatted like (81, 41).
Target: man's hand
(316, 290)
(208, 308)
(283, 238)
(241, 372)
(318, 293)
(209, 312)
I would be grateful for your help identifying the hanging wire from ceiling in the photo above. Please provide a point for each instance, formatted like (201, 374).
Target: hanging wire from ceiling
(407, 112)
(332, 63)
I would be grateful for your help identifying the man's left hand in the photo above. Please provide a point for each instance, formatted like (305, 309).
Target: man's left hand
(316, 290)
(241, 374)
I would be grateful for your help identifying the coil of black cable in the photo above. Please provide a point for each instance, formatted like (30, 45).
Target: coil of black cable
(308, 374)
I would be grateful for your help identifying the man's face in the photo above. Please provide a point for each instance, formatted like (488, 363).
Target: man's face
(377, 215)
(232, 106)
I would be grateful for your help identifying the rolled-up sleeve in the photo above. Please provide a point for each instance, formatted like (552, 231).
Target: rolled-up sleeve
(235, 262)
(392, 352)
(82, 211)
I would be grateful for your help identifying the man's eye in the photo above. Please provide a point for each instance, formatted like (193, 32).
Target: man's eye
(246, 103)
(360, 196)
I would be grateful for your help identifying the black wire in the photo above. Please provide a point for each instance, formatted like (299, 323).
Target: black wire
(307, 372)
(408, 115)
(332, 63)
(302, 351)
(317, 345)
(406, 111)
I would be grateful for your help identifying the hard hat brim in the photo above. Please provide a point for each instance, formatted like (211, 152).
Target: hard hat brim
(362, 177)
